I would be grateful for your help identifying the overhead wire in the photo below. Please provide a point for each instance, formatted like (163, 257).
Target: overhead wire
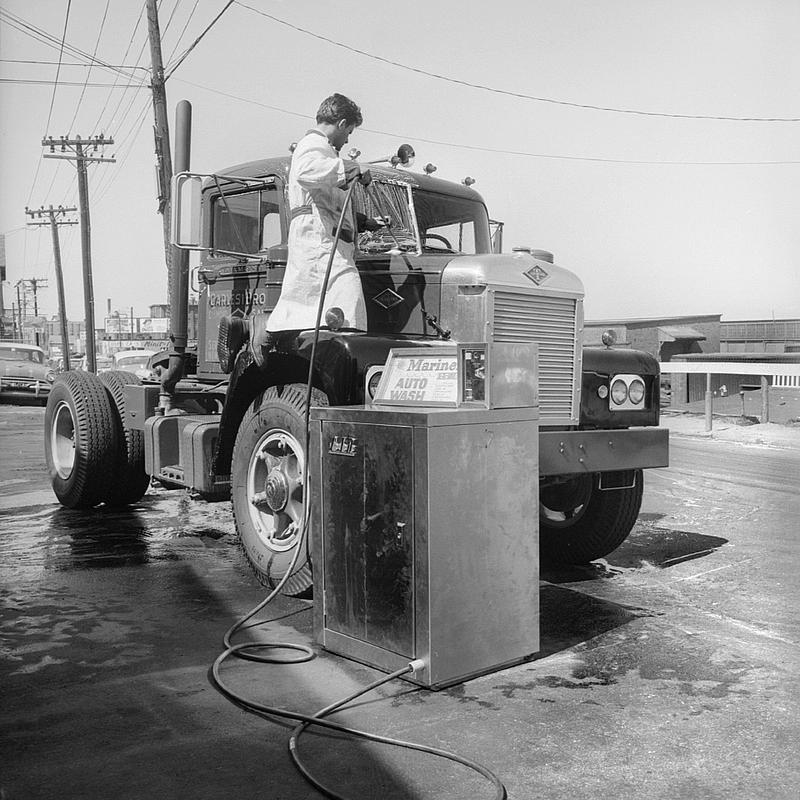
(63, 63)
(90, 60)
(116, 79)
(183, 30)
(109, 176)
(500, 151)
(96, 45)
(39, 81)
(169, 21)
(506, 92)
(43, 37)
(140, 86)
(133, 134)
(52, 100)
(194, 44)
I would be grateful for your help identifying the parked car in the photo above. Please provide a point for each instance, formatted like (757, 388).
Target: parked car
(101, 363)
(24, 372)
(137, 362)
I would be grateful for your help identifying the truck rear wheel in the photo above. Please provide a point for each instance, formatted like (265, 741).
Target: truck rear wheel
(579, 522)
(80, 440)
(130, 480)
(267, 476)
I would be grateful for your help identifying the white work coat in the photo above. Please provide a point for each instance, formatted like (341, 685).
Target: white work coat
(316, 188)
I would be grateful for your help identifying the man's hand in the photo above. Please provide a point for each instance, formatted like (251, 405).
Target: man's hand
(352, 171)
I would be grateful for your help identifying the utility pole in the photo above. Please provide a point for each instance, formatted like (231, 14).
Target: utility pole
(31, 284)
(19, 313)
(36, 283)
(73, 150)
(161, 131)
(53, 222)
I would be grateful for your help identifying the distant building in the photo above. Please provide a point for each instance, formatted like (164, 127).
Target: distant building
(760, 336)
(162, 311)
(662, 337)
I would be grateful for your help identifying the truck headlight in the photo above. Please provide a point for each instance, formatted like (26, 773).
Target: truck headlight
(619, 392)
(50, 376)
(627, 393)
(636, 391)
(374, 375)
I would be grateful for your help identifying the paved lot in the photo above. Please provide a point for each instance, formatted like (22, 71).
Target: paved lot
(667, 670)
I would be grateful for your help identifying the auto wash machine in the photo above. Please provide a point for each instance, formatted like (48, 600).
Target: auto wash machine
(425, 533)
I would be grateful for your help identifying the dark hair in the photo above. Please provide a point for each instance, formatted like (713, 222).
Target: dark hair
(338, 107)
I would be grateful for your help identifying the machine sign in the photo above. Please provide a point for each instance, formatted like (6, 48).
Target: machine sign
(343, 446)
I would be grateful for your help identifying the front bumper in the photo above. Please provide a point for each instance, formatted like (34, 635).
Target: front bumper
(22, 387)
(571, 452)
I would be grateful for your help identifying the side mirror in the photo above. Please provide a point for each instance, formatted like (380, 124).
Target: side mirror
(185, 221)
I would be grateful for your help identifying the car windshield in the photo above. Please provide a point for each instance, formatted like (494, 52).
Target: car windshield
(21, 354)
(133, 361)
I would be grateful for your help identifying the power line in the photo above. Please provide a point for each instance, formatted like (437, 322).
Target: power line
(116, 78)
(53, 97)
(507, 93)
(133, 134)
(183, 30)
(397, 135)
(64, 63)
(137, 62)
(197, 40)
(94, 84)
(83, 91)
(58, 70)
(43, 37)
(169, 21)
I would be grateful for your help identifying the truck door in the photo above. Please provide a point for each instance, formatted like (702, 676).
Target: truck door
(250, 221)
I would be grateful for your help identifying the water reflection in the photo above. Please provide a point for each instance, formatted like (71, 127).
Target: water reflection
(162, 527)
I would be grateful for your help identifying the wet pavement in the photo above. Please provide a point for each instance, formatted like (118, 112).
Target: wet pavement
(667, 670)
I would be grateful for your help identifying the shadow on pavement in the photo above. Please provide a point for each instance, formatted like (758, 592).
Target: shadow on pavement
(648, 546)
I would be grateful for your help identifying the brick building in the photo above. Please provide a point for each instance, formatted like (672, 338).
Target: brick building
(663, 337)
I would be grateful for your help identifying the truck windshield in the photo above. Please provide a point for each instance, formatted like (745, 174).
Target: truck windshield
(451, 224)
(246, 222)
(444, 223)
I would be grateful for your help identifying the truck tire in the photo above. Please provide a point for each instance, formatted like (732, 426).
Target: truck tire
(130, 480)
(80, 439)
(579, 522)
(269, 463)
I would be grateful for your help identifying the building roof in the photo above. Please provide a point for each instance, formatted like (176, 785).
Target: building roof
(655, 322)
(672, 333)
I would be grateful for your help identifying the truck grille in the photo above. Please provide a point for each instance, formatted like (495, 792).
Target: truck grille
(550, 322)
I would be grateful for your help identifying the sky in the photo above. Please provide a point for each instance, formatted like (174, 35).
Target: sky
(652, 145)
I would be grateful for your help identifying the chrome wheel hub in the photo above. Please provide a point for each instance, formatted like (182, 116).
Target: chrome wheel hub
(62, 441)
(275, 489)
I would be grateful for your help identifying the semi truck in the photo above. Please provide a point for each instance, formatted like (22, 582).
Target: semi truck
(230, 424)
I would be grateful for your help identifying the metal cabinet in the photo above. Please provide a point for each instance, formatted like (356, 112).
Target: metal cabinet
(425, 537)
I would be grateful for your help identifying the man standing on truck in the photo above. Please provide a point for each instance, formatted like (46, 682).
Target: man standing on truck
(316, 192)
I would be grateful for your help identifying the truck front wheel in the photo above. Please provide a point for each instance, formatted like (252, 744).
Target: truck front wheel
(267, 486)
(579, 521)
